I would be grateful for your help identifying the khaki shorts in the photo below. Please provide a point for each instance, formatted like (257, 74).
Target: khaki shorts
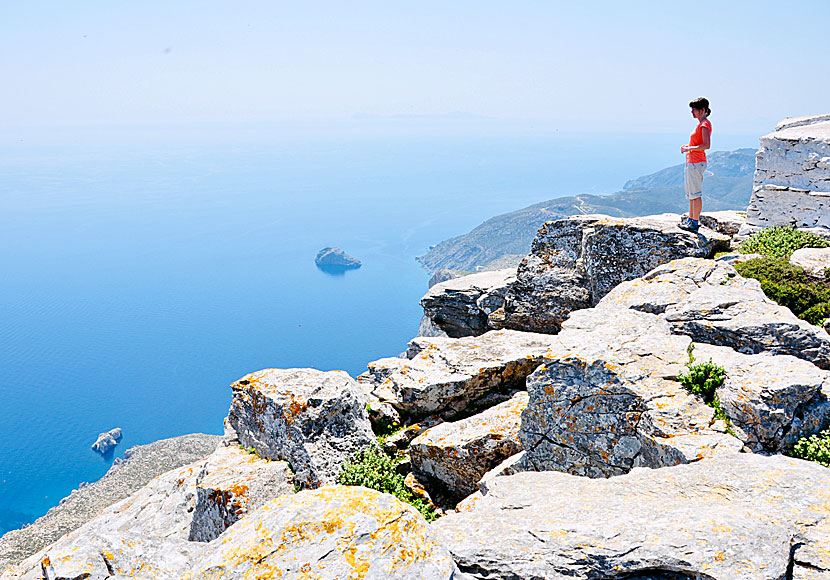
(694, 180)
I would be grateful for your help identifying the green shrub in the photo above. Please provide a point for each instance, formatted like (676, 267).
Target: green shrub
(814, 448)
(374, 469)
(781, 242)
(789, 286)
(817, 314)
(704, 379)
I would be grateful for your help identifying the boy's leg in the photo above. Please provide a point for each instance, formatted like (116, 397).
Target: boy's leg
(695, 206)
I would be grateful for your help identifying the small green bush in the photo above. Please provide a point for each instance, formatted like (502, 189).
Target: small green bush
(704, 379)
(781, 242)
(374, 469)
(789, 286)
(814, 448)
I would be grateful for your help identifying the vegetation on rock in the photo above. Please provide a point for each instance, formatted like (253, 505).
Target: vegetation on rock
(814, 448)
(781, 242)
(703, 379)
(374, 469)
(790, 286)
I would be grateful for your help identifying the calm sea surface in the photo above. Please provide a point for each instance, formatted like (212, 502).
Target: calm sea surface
(136, 283)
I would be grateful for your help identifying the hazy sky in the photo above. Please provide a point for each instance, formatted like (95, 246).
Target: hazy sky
(594, 64)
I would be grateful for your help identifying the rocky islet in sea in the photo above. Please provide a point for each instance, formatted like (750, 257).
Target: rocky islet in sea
(556, 416)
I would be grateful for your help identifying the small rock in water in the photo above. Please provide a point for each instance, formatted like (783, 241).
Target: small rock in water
(107, 441)
(336, 258)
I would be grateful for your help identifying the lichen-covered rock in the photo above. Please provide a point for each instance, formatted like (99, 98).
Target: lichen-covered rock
(147, 534)
(815, 261)
(792, 178)
(741, 517)
(740, 319)
(609, 400)
(462, 306)
(772, 401)
(443, 375)
(574, 262)
(330, 533)
(312, 419)
(234, 482)
(708, 301)
(458, 454)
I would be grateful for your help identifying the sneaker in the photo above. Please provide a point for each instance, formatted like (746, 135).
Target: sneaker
(689, 225)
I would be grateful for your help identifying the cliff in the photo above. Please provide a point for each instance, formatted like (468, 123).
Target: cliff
(504, 240)
(556, 434)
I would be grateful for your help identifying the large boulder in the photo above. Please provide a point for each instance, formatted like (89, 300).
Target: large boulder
(709, 302)
(330, 533)
(771, 400)
(444, 375)
(741, 517)
(574, 262)
(815, 261)
(459, 453)
(462, 306)
(312, 419)
(609, 400)
(107, 441)
(792, 178)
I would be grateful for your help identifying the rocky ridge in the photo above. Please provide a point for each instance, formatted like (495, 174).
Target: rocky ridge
(576, 449)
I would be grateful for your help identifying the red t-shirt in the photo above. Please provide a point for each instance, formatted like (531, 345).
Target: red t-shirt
(697, 139)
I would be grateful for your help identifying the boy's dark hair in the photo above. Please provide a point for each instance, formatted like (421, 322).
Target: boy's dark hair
(701, 103)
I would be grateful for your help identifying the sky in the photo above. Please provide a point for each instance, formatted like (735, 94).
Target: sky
(118, 66)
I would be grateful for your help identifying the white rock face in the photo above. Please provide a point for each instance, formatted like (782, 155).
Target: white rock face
(814, 260)
(792, 177)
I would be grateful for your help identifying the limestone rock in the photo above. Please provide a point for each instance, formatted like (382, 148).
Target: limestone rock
(727, 222)
(139, 466)
(576, 261)
(312, 419)
(458, 454)
(232, 483)
(815, 261)
(741, 517)
(336, 258)
(609, 400)
(462, 306)
(772, 401)
(792, 178)
(443, 375)
(107, 441)
(147, 534)
(711, 303)
(330, 533)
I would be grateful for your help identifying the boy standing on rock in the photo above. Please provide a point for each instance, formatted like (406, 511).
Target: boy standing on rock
(696, 162)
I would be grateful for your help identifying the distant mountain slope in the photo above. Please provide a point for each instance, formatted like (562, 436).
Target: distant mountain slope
(503, 240)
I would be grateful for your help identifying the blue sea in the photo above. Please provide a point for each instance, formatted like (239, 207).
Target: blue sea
(139, 280)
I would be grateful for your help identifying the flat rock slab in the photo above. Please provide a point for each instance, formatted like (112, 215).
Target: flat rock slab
(444, 375)
(742, 517)
(312, 419)
(709, 302)
(609, 400)
(574, 262)
(331, 533)
(459, 453)
(815, 261)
